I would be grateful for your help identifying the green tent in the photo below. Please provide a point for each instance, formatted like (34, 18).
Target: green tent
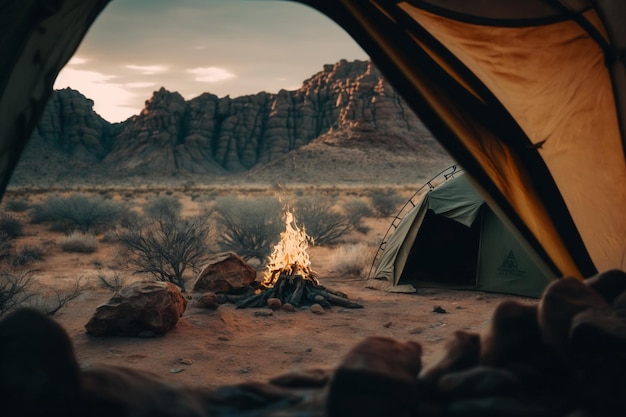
(451, 238)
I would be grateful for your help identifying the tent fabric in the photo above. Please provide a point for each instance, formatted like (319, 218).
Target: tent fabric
(529, 96)
(502, 263)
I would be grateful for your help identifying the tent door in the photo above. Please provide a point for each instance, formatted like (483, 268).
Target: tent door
(444, 253)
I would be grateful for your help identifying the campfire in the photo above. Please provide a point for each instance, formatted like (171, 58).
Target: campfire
(289, 277)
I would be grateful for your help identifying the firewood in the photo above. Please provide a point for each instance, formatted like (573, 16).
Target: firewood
(296, 296)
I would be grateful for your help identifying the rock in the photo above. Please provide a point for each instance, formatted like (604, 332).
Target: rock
(317, 309)
(561, 301)
(378, 377)
(610, 284)
(141, 306)
(513, 335)
(274, 303)
(597, 333)
(225, 273)
(439, 309)
(263, 313)
(307, 378)
(39, 373)
(289, 308)
(480, 381)
(461, 351)
(208, 300)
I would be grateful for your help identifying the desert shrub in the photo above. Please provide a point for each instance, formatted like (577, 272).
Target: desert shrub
(49, 300)
(159, 204)
(322, 222)
(18, 206)
(14, 290)
(78, 212)
(26, 255)
(79, 242)
(5, 246)
(355, 210)
(385, 202)
(11, 226)
(353, 259)
(249, 227)
(113, 282)
(167, 246)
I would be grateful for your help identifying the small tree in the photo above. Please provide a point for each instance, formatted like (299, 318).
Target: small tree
(167, 246)
(322, 222)
(249, 227)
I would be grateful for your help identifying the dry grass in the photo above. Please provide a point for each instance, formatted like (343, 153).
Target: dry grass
(353, 259)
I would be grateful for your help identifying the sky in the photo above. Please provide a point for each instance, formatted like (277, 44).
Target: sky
(224, 47)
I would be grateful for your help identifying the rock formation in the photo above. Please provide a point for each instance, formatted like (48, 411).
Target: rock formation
(348, 102)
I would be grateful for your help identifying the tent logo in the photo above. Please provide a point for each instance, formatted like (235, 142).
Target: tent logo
(510, 266)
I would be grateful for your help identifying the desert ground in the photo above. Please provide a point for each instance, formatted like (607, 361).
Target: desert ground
(227, 346)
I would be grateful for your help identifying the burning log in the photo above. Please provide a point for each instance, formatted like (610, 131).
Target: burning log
(289, 276)
(298, 291)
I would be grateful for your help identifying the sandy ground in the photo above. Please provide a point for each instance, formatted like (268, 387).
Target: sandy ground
(229, 346)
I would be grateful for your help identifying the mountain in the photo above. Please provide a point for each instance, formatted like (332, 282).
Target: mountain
(342, 120)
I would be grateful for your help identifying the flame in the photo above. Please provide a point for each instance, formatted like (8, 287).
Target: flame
(289, 256)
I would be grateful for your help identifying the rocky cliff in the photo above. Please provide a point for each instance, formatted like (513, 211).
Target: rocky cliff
(349, 102)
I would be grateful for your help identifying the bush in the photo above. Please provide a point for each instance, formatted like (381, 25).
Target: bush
(158, 205)
(52, 299)
(167, 246)
(79, 242)
(14, 290)
(355, 259)
(114, 282)
(80, 212)
(355, 210)
(5, 246)
(26, 255)
(322, 222)
(11, 226)
(249, 227)
(17, 205)
(385, 202)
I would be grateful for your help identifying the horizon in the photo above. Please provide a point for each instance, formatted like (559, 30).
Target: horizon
(250, 46)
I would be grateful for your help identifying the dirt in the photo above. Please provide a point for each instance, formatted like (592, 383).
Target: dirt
(229, 346)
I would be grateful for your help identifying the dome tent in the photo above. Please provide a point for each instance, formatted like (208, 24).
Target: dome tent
(451, 238)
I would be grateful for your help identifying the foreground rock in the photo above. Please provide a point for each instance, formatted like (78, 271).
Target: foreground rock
(140, 309)
(225, 273)
(497, 374)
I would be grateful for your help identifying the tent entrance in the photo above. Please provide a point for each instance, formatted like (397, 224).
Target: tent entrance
(445, 252)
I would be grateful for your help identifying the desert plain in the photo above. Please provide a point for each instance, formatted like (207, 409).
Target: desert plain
(227, 346)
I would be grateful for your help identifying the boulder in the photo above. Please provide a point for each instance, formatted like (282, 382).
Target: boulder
(225, 273)
(461, 351)
(378, 377)
(610, 284)
(208, 300)
(561, 301)
(144, 306)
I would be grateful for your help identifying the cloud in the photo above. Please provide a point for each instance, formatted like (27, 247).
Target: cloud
(211, 74)
(112, 100)
(148, 69)
(139, 85)
(75, 60)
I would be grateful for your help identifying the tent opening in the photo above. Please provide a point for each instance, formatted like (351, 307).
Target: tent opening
(445, 251)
